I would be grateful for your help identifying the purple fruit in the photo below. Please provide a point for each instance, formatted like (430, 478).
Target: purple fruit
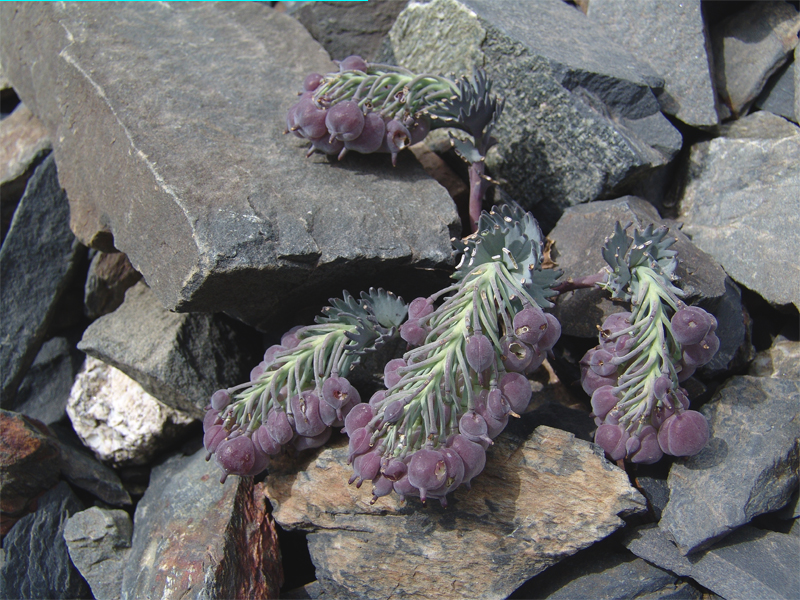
(279, 427)
(257, 371)
(397, 137)
(427, 470)
(649, 451)
(220, 399)
(612, 439)
(302, 442)
(272, 352)
(381, 487)
(236, 456)
(365, 466)
(390, 375)
(377, 398)
(359, 443)
(661, 386)
(404, 488)
(497, 406)
(603, 401)
(324, 145)
(310, 119)
(551, 335)
(344, 121)
(395, 469)
(359, 417)
(263, 440)
(517, 390)
(353, 63)
(305, 409)
(412, 332)
(473, 455)
(690, 325)
(420, 307)
(479, 352)
(530, 325)
(213, 437)
(336, 391)
(473, 427)
(601, 363)
(683, 434)
(516, 355)
(371, 137)
(590, 381)
(393, 411)
(312, 81)
(701, 353)
(212, 418)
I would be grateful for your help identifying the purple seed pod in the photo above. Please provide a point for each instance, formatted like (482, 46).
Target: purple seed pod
(365, 466)
(603, 401)
(685, 371)
(328, 414)
(590, 381)
(359, 417)
(371, 137)
(312, 81)
(381, 487)
(353, 63)
(612, 439)
(600, 363)
(336, 391)
(479, 352)
(690, 325)
(393, 411)
(272, 352)
(279, 427)
(683, 434)
(263, 440)
(530, 324)
(552, 333)
(344, 121)
(661, 386)
(494, 427)
(377, 398)
(397, 138)
(537, 358)
(235, 455)
(359, 443)
(427, 470)
(289, 340)
(649, 451)
(213, 437)
(220, 399)
(473, 455)
(395, 469)
(420, 307)
(455, 469)
(497, 406)
(323, 145)
(403, 487)
(516, 355)
(212, 418)
(309, 118)
(473, 427)
(307, 420)
(390, 375)
(699, 354)
(517, 390)
(260, 462)
(613, 324)
(257, 371)
(413, 333)
(302, 442)
(418, 129)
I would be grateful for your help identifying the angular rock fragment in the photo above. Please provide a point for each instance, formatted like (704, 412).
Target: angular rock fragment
(672, 38)
(740, 204)
(194, 537)
(778, 94)
(37, 261)
(181, 359)
(580, 119)
(24, 142)
(750, 563)
(84, 472)
(749, 47)
(110, 275)
(780, 361)
(99, 542)
(748, 467)
(541, 497)
(36, 560)
(117, 419)
(169, 121)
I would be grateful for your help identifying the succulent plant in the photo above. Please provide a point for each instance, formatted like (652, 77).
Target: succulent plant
(454, 390)
(299, 391)
(634, 374)
(370, 107)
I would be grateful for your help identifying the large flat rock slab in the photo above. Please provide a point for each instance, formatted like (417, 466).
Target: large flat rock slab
(168, 122)
(542, 497)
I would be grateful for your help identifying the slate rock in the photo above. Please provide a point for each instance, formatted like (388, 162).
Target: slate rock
(180, 358)
(580, 119)
(44, 392)
(604, 573)
(37, 261)
(780, 361)
(196, 538)
(748, 467)
(578, 241)
(24, 142)
(748, 47)
(84, 472)
(541, 497)
(345, 28)
(778, 94)
(750, 563)
(740, 205)
(657, 493)
(170, 121)
(110, 275)
(797, 85)
(672, 38)
(99, 542)
(117, 419)
(37, 563)
(29, 465)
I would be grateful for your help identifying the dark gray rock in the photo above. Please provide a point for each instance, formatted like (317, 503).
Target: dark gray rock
(580, 119)
(734, 329)
(740, 204)
(37, 261)
(797, 85)
(180, 359)
(748, 47)
(84, 472)
(672, 38)
(196, 538)
(750, 563)
(44, 392)
(778, 94)
(110, 275)
(99, 542)
(345, 28)
(170, 123)
(781, 360)
(578, 241)
(36, 561)
(748, 467)
(656, 491)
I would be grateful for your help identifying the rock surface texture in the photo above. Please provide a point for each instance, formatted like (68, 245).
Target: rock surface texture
(196, 538)
(168, 122)
(741, 204)
(541, 497)
(580, 118)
